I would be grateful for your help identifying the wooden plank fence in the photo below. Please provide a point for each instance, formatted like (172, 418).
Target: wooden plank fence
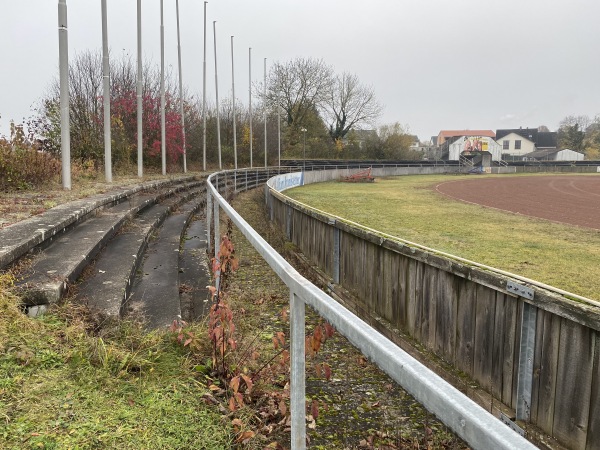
(470, 318)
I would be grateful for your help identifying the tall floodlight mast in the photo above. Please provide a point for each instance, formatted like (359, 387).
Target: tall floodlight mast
(163, 137)
(204, 96)
(250, 98)
(235, 165)
(106, 99)
(217, 94)
(181, 89)
(140, 141)
(65, 131)
(265, 106)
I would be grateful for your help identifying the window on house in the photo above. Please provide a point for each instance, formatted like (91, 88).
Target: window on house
(518, 145)
(505, 145)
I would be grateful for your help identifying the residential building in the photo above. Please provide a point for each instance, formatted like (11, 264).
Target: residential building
(516, 143)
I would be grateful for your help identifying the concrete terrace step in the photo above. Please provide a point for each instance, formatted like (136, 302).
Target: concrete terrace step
(69, 253)
(156, 292)
(107, 286)
(21, 237)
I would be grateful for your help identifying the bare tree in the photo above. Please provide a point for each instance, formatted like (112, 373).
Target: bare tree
(349, 104)
(298, 86)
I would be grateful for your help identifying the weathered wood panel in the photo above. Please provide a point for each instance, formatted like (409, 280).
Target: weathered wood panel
(445, 316)
(388, 285)
(545, 369)
(413, 290)
(499, 328)
(484, 336)
(465, 331)
(401, 300)
(593, 435)
(427, 303)
(573, 384)
(465, 316)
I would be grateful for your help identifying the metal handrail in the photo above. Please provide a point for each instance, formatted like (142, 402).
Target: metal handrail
(480, 429)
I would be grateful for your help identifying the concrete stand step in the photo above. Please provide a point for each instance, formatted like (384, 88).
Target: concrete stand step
(65, 258)
(155, 294)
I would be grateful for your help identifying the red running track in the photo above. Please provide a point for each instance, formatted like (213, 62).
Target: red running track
(561, 198)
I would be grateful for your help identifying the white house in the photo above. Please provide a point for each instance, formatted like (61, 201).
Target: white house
(514, 144)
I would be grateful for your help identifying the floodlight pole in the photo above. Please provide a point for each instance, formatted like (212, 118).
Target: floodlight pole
(163, 138)
(63, 57)
(235, 164)
(250, 98)
(181, 89)
(217, 94)
(204, 97)
(265, 106)
(106, 99)
(140, 141)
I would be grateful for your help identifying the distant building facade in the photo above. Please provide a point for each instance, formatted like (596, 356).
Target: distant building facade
(518, 142)
(453, 144)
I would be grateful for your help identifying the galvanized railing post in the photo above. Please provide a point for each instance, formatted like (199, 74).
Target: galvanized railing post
(217, 232)
(297, 377)
(525, 374)
(217, 243)
(209, 208)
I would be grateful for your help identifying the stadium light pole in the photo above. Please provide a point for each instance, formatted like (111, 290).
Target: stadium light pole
(65, 131)
(235, 165)
(163, 138)
(250, 99)
(204, 97)
(265, 106)
(106, 99)
(217, 94)
(181, 88)
(140, 141)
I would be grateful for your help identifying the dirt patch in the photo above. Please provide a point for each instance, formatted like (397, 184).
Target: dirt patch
(572, 200)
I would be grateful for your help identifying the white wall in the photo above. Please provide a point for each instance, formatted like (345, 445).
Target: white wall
(456, 148)
(569, 155)
(527, 146)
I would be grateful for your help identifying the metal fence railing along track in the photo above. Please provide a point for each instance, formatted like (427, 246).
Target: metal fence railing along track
(476, 426)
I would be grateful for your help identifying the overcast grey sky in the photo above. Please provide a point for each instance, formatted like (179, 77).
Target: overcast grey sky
(434, 64)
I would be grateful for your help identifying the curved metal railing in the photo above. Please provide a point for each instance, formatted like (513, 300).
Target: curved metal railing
(467, 419)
